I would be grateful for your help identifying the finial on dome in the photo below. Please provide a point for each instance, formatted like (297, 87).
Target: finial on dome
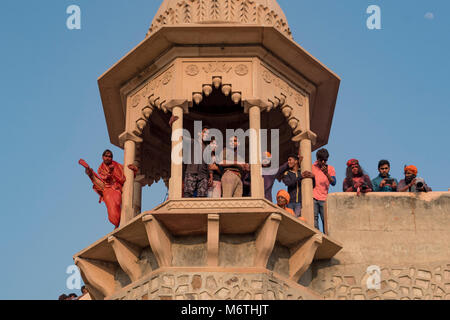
(208, 12)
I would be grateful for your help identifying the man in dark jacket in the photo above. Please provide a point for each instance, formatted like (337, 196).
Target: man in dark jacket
(293, 180)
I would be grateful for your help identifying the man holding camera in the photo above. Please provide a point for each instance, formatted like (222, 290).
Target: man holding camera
(325, 176)
(384, 182)
(411, 183)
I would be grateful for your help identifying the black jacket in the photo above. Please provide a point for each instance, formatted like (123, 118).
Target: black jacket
(293, 180)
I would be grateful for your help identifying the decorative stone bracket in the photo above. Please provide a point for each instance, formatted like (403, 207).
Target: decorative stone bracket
(302, 256)
(98, 274)
(309, 135)
(277, 103)
(213, 240)
(159, 240)
(207, 89)
(127, 255)
(127, 136)
(265, 240)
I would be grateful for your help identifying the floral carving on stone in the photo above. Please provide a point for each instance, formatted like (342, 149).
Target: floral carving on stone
(299, 99)
(135, 100)
(241, 70)
(192, 70)
(214, 204)
(285, 88)
(251, 12)
(217, 67)
(267, 76)
(166, 78)
(149, 88)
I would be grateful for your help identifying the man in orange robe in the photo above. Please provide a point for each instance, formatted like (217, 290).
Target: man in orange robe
(108, 183)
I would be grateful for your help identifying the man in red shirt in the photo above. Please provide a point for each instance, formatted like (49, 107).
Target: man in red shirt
(325, 176)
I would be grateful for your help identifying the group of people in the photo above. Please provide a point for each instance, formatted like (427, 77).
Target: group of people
(323, 176)
(73, 296)
(358, 181)
(231, 178)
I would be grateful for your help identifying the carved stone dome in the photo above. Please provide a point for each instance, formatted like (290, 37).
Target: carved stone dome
(237, 12)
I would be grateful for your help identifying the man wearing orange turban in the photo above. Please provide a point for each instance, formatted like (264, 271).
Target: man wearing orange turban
(283, 198)
(411, 183)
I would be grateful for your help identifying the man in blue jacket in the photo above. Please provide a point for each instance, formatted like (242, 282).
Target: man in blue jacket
(384, 182)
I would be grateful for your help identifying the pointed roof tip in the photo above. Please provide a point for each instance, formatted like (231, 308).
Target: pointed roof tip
(208, 12)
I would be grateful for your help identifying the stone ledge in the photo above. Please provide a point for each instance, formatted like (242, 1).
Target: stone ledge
(214, 284)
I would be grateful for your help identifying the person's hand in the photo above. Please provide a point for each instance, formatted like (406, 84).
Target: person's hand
(394, 185)
(413, 182)
(382, 183)
(307, 174)
(210, 182)
(172, 120)
(89, 172)
(213, 167)
(358, 185)
(133, 168)
(324, 169)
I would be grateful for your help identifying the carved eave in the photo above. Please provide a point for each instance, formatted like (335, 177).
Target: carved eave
(157, 230)
(149, 57)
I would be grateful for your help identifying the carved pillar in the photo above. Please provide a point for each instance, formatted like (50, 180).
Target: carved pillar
(139, 181)
(176, 179)
(307, 139)
(129, 142)
(257, 181)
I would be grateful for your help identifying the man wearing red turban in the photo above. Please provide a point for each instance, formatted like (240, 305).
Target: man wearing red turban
(356, 180)
(411, 183)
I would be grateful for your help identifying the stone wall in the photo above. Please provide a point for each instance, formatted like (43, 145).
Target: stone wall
(406, 235)
(179, 285)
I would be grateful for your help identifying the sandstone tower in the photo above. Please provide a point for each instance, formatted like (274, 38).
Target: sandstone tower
(234, 64)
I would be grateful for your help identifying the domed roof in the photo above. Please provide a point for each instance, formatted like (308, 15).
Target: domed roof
(239, 12)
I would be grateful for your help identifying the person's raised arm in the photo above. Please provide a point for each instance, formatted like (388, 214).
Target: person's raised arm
(289, 180)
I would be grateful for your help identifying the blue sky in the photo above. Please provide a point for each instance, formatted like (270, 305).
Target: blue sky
(392, 104)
